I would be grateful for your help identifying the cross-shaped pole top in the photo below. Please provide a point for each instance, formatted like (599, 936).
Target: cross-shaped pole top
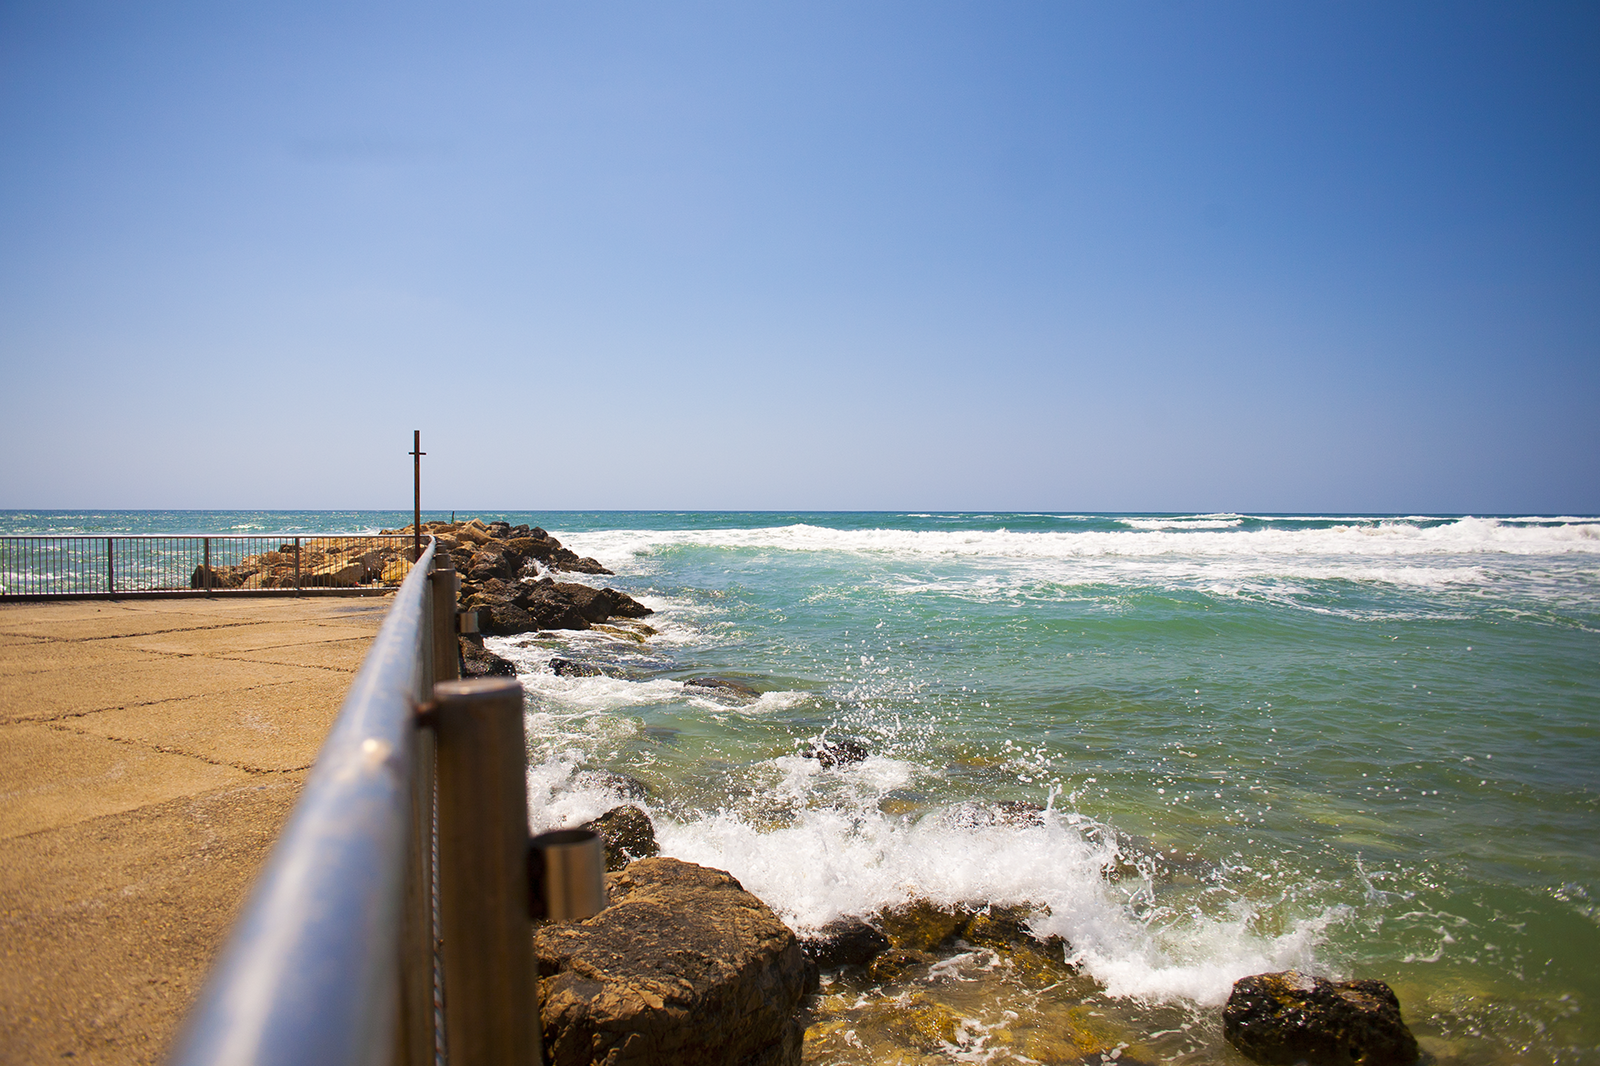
(416, 496)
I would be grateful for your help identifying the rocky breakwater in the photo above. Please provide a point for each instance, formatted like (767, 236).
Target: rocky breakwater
(505, 573)
(311, 563)
(683, 965)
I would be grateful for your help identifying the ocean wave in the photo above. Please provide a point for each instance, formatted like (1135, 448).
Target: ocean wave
(1345, 539)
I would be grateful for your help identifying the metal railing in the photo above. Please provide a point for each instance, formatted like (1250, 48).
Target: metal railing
(61, 567)
(392, 922)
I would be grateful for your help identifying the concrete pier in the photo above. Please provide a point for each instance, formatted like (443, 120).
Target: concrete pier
(150, 751)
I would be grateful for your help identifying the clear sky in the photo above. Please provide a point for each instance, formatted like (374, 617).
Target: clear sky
(857, 255)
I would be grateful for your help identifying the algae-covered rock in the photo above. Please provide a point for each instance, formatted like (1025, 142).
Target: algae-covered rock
(1290, 1017)
(922, 925)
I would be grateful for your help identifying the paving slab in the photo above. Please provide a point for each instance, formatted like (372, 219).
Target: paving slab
(59, 693)
(341, 655)
(50, 777)
(222, 640)
(41, 656)
(249, 730)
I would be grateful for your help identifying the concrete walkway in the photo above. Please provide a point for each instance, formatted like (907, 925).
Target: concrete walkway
(150, 751)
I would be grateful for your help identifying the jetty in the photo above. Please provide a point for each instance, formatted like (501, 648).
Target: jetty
(150, 753)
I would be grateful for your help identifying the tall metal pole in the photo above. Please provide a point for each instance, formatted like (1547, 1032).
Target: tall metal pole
(416, 496)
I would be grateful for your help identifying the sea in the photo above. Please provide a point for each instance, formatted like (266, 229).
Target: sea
(1192, 747)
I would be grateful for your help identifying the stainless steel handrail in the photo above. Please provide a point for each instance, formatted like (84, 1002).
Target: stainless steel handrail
(312, 972)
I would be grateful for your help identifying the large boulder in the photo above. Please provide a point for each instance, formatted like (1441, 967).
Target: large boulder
(550, 608)
(1290, 1017)
(683, 966)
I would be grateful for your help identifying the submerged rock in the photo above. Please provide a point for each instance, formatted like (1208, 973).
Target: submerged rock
(627, 833)
(724, 684)
(844, 942)
(1290, 1017)
(683, 966)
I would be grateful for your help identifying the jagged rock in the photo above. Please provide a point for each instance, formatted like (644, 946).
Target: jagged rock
(478, 661)
(504, 619)
(1290, 1017)
(844, 942)
(627, 834)
(724, 684)
(549, 606)
(683, 966)
(841, 752)
(569, 668)
(488, 563)
(594, 604)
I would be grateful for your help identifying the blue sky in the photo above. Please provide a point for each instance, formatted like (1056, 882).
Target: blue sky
(1041, 256)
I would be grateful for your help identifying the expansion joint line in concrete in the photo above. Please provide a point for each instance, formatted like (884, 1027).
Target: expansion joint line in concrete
(168, 749)
(47, 719)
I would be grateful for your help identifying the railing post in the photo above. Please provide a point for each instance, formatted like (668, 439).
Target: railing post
(111, 566)
(205, 572)
(297, 566)
(491, 998)
(446, 649)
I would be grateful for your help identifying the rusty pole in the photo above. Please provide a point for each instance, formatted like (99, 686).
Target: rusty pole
(416, 495)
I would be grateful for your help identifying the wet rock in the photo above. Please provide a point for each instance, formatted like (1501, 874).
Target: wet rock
(683, 966)
(627, 833)
(841, 752)
(724, 684)
(1291, 1017)
(571, 668)
(1006, 932)
(478, 661)
(844, 942)
(923, 925)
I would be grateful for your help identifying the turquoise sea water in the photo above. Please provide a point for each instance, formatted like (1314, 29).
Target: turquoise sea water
(1360, 746)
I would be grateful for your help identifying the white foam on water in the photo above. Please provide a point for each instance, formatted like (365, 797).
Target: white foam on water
(1387, 537)
(1221, 521)
(837, 860)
